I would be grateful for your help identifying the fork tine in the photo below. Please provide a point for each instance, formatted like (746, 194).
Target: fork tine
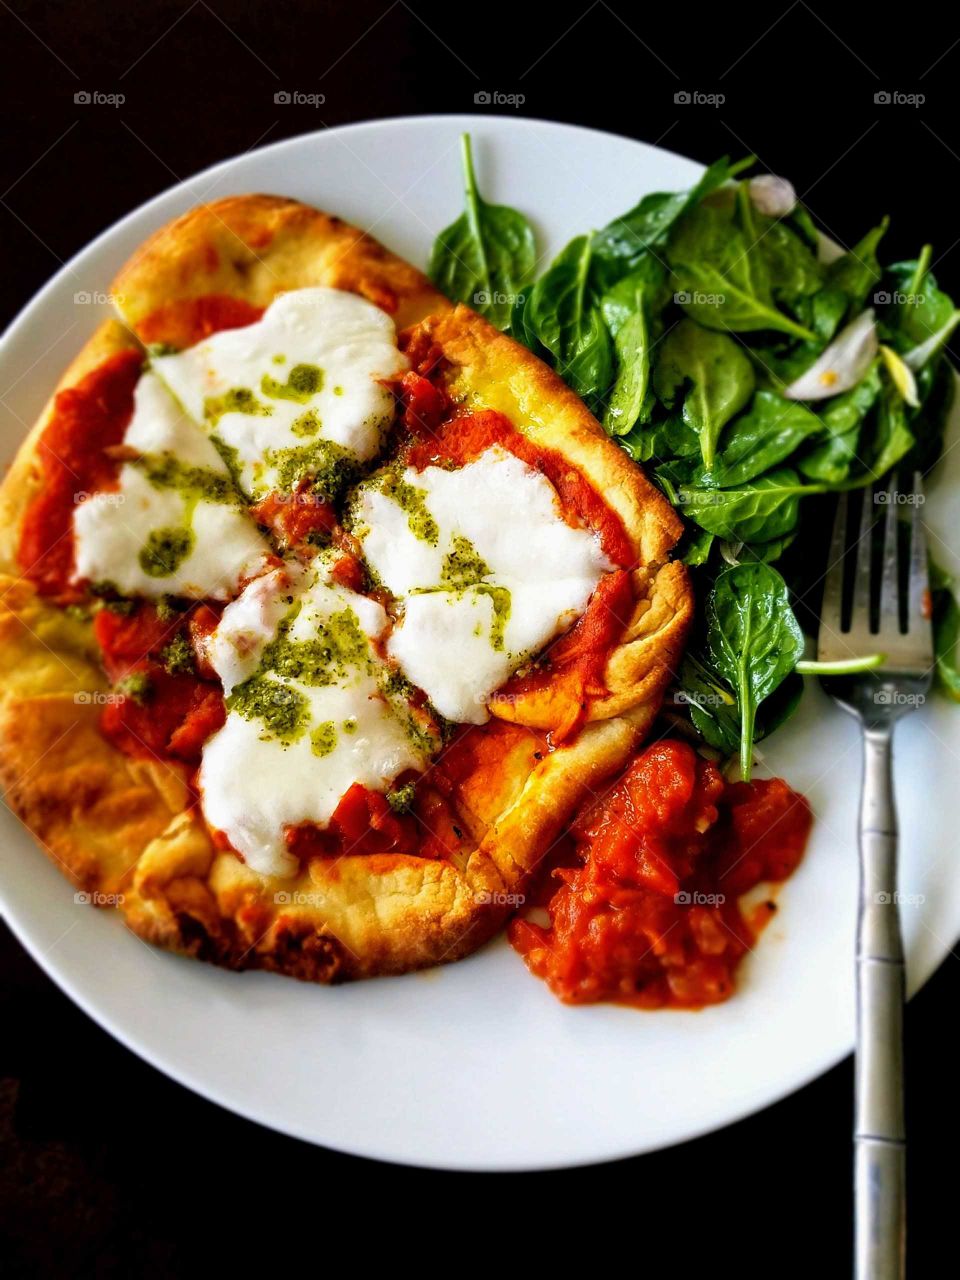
(918, 587)
(831, 610)
(889, 585)
(860, 616)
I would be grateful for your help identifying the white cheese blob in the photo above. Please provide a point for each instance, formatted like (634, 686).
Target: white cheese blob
(175, 525)
(297, 393)
(297, 642)
(486, 567)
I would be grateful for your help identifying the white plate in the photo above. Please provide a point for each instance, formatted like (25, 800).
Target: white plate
(477, 1066)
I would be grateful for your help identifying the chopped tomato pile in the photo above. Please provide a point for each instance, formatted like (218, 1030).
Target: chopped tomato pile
(651, 915)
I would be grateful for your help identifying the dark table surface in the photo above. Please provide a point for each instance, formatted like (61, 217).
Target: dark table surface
(108, 1167)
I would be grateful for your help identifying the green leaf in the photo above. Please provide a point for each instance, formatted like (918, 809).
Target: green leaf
(620, 246)
(696, 547)
(920, 310)
(857, 272)
(722, 276)
(619, 302)
(759, 511)
(760, 439)
(563, 314)
(717, 373)
(487, 257)
(843, 417)
(631, 399)
(753, 639)
(670, 438)
(713, 708)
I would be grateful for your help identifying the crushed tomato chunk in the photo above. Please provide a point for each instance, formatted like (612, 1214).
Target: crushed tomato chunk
(651, 914)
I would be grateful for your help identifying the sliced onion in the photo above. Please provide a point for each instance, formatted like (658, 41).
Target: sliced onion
(901, 375)
(843, 363)
(771, 195)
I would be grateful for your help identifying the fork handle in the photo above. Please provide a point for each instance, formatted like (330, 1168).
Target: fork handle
(879, 1133)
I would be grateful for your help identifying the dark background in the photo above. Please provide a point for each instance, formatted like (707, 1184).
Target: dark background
(110, 1169)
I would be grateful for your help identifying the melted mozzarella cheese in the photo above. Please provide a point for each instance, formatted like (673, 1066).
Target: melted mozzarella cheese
(255, 782)
(486, 566)
(161, 516)
(298, 392)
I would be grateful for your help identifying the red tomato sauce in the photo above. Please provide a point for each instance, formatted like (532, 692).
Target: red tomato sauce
(294, 518)
(650, 915)
(173, 714)
(85, 420)
(188, 320)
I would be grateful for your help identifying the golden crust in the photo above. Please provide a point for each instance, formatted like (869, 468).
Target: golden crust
(123, 827)
(254, 247)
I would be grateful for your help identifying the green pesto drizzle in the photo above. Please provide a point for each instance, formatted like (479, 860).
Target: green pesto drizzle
(168, 608)
(236, 400)
(329, 467)
(410, 499)
(136, 685)
(308, 424)
(166, 471)
(401, 800)
(303, 382)
(323, 739)
(231, 458)
(326, 658)
(500, 598)
(165, 550)
(349, 725)
(283, 709)
(177, 657)
(462, 566)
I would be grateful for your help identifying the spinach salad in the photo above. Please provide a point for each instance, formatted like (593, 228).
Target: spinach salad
(755, 373)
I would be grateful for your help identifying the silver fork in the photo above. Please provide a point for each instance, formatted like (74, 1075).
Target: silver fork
(872, 616)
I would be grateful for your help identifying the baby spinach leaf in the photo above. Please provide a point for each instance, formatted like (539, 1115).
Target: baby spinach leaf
(717, 373)
(892, 439)
(670, 438)
(753, 639)
(794, 271)
(843, 418)
(631, 398)
(722, 276)
(563, 314)
(619, 302)
(713, 708)
(857, 272)
(623, 242)
(761, 438)
(487, 257)
(920, 309)
(822, 312)
(758, 511)
(696, 546)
